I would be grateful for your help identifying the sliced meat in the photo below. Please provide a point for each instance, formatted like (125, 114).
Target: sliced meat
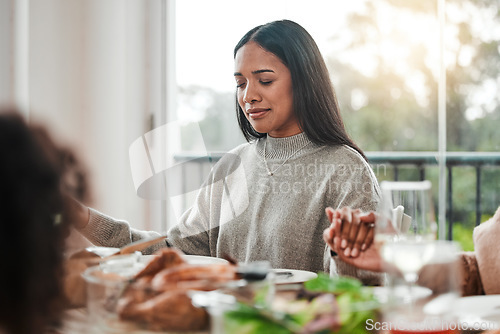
(171, 310)
(165, 258)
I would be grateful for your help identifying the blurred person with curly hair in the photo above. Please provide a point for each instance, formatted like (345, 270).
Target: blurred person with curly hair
(34, 174)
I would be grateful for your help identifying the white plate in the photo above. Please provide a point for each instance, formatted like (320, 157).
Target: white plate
(191, 259)
(479, 311)
(103, 251)
(198, 259)
(286, 276)
(385, 293)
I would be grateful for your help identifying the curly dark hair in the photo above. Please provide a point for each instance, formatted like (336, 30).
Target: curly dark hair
(314, 101)
(32, 238)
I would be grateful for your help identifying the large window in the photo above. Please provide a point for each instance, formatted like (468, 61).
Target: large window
(104, 74)
(384, 60)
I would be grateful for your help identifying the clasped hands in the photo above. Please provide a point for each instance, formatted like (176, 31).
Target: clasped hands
(351, 236)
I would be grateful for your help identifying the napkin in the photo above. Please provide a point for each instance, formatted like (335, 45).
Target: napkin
(400, 219)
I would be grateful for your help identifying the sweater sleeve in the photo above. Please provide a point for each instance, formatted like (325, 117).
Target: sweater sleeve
(340, 268)
(103, 230)
(362, 192)
(189, 236)
(486, 237)
(440, 278)
(470, 277)
(192, 233)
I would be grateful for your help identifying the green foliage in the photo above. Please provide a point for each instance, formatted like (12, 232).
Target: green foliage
(324, 283)
(246, 319)
(356, 304)
(463, 236)
(393, 115)
(462, 233)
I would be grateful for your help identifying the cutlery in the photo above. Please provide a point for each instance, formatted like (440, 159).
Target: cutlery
(98, 252)
(287, 274)
(139, 245)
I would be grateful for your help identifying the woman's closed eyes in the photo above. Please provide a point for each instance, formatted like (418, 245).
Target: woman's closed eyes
(263, 82)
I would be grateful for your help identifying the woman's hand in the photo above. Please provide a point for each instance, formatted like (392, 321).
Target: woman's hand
(353, 230)
(350, 235)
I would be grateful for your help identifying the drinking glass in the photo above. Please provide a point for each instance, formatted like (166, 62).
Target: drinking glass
(406, 228)
(437, 290)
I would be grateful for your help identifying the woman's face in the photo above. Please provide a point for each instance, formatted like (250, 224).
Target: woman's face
(264, 91)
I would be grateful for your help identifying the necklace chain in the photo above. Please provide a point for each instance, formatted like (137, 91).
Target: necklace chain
(270, 172)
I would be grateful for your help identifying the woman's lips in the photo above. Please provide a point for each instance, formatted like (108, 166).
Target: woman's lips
(255, 113)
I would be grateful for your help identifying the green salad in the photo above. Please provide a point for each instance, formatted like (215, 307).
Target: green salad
(325, 305)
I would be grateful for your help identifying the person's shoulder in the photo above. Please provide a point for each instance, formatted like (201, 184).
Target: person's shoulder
(241, 148)
(345, 157)
(344, 153)
(238, 151)
(231, 160)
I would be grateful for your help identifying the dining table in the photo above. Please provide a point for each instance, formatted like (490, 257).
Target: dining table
(76, 320)
(473, 314)
(479, 314)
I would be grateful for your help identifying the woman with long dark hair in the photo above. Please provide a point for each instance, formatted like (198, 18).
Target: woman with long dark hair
(266, 199)
(314, 101)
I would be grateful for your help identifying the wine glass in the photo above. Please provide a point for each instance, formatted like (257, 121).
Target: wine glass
(439, 289)
(406, 211)
(406, 228)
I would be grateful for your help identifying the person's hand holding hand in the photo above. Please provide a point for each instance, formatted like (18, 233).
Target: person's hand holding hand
(354, 230)
(351, 235)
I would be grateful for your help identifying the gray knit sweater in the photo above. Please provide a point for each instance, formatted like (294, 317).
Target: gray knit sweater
(244, 212)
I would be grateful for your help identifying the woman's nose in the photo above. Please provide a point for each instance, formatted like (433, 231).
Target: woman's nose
(251, 94)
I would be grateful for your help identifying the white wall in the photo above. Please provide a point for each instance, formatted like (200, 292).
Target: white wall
(92, 79)
(6, 49)
(14, 44)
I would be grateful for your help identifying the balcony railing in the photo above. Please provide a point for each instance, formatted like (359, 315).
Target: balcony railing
(422, 160)
(197, 166)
